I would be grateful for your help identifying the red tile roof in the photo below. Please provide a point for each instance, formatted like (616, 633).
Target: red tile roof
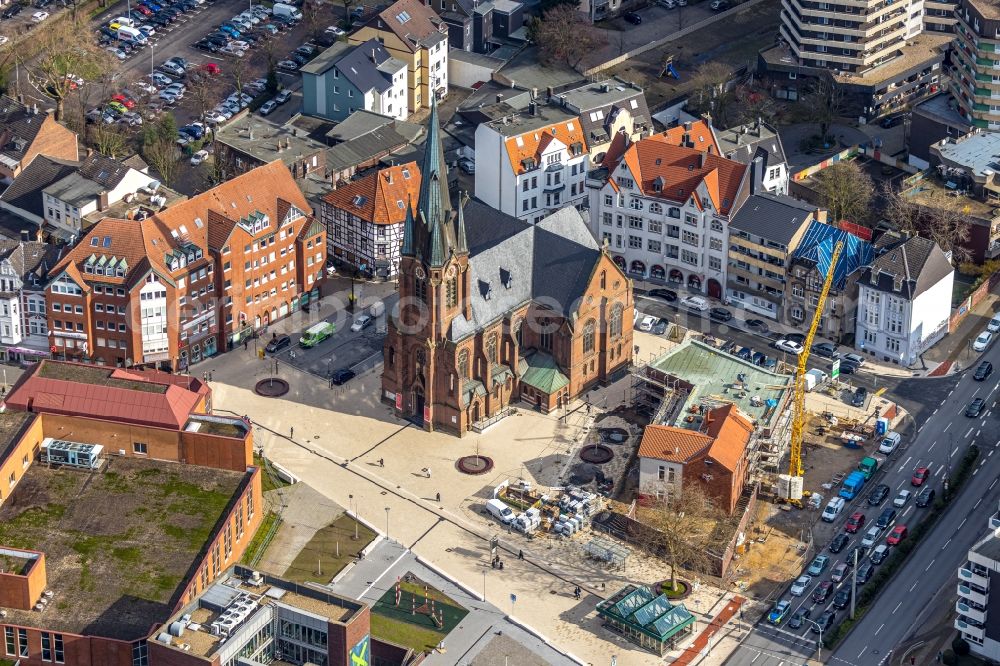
(672, 444)
(377, 196)
(532, 144)
(682, 171)
(111, 399)
(724, 437)
(730, 431)
(700, 134)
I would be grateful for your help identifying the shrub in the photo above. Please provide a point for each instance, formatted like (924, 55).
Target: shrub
(960, 646)
(949, 658)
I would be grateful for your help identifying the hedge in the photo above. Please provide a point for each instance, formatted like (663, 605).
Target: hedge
(867, 594)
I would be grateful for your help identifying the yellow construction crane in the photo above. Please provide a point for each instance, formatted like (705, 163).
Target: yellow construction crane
(799, 413)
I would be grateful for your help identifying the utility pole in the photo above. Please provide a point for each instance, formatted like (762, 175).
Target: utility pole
(854, 582)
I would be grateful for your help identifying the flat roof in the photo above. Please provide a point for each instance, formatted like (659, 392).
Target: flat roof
(714, 373)
(97, 375)
(12, 422)
(267, 141)
(918, 51)
(114, 572)
(929, 191)
(989, 547)
(975, 152)
(521, 121)
(943, 108)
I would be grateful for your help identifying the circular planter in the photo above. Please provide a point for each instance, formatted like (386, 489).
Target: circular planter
(597, 454)
(474, 464)
(614, 435)
(682, 593)
(271, 388)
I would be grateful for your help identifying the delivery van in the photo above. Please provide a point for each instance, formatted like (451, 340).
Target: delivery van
(316, 334)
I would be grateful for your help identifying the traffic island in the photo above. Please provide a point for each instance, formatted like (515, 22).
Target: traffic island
(474, 465)
(271, 388)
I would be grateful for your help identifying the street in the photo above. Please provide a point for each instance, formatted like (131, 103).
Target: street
(939, 443)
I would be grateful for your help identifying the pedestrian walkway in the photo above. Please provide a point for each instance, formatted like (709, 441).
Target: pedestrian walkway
(955, 350)
(701, 645)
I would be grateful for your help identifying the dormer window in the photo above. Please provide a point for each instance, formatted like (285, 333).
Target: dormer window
(506, 279)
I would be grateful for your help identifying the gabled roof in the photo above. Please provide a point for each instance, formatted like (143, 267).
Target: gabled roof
(525, 150)
(907, 267)
(818, 243)
(381, 196)
(28, 257)
(730, 432)
(25, 193)
(741, 143)
(19, 125)
(367, 66)
(104, 171)
(672, 444)
(661, 169)
(773, 217)
(697, 134)
(415, 23)
(724, 437)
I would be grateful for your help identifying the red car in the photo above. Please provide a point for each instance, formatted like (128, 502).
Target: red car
(822, 592)
(855, 523)
(920, 475)
(124, 100)
(211, 68)
(898, 534)
(145, 11)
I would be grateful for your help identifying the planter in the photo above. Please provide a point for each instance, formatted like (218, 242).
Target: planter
(683, 591)
(474, 464)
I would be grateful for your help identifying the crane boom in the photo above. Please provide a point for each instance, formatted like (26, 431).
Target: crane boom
(799, 410)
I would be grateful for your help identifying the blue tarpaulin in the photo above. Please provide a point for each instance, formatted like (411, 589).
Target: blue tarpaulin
(817, 246)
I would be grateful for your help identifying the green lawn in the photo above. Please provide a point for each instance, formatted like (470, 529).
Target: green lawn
(404, 633)
(267, 481)
(257, 546)
(329, 551)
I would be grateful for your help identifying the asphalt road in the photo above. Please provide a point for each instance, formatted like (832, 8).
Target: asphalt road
(942, 438)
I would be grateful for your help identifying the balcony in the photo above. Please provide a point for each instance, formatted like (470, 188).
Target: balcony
(970, 612)
(969, 576)
(967, 592)
(970, 629)
(555, 166)
(554, 187)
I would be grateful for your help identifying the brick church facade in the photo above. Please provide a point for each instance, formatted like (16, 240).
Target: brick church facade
(494, 310)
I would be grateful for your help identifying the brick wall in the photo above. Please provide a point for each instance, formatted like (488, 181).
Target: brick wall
(53, 140)
(78, 650)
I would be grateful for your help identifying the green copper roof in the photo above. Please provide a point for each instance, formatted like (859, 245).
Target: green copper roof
(544, 374)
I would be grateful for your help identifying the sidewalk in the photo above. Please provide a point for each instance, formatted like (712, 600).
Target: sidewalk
(700, 647)
(954, 351)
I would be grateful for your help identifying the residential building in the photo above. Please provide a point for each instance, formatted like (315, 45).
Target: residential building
(414, 34)
(485, 320)
(612, 113)
(975, 57)
(364, 140)
(24, 267)
(763, 234)
(364, 218)
(904, 299)
(939, 15)
(344, 78)
(743, 143)
(24, 198)
(810, 264)
(664, 213)
(933, 120)
(25, 133)
(598, 10)
(697, 134)
(252, 142)
(529, 165)
(976, 576)
(471, 23)
(180, 284)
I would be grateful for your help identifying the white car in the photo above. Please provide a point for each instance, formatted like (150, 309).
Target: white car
(364, 321)
(833, 509)
(994, 324)
(238, 44)
(790, 346)
(147, 88)
(199, 157)
(183, 140)
(889, 442)
(983, 341)
(229, 49)
(902, 498)
(118, 53)
(695, 303)
(871, 536)
(38, 17)
(647, 323)
(215, 117)
(335, 31)
(799, 586)
(160, 79)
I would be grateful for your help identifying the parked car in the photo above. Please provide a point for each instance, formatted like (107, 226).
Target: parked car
(983, 341)
(632, 17)
(827, 349)
(288, 65)
(878, 494)
(896, 536)
(902, 498)
(984, 370)
(925, 497)
(199, 157)
(889, 442)
(342, 376)
(822, 592)
(283, 96)
(38, 17)
(278, 343)
(335, 31)
(819, 563)
(720, 314)
(695, 303)
(267, 107)
(789, 346)
(756, 325)
(12, 11)
(719, 5)
(860, 397)
(668, 295)
(838, 543)
(800, 585)
(975, 408)
(994, 324)
(855, 522)
(854, 358)
(361, 323)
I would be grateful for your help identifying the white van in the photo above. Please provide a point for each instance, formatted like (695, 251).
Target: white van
(889, 442)
(127, 34)
(377, 309)
(500, 511)
(833, 509)
(121, 20)
(287, 11)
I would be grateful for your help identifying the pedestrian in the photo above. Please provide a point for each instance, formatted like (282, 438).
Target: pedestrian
(520, 554)
(291, 432)
(437, 497)
(381, 462)
(246, 344)
(501, 565)
(428, 472)
(576, 592)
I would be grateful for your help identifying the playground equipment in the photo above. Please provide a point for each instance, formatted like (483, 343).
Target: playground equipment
(668, 68)
(425, 608)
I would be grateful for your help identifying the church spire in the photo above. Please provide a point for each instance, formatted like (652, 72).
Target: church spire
(462, 244)
(409, 228)
(433, 163)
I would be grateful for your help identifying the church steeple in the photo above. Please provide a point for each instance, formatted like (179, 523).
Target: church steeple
(409, 229)
(463, 243)
(435, 202)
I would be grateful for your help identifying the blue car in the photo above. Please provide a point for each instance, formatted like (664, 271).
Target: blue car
(153, 7)
(779, 611)
(193, 131)
(230, 30)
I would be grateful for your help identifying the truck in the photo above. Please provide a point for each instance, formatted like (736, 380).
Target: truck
(316, 334)
(852, 485)
(868, 466)
(287, 11)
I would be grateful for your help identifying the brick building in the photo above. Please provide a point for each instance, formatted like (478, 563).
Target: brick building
(26, 132)
(170, 288)
(486, 319)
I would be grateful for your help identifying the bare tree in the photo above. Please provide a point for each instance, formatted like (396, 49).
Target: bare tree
(756, 105)
(111, 140)
(563, 35)
(712, 92)
(824, 105)
(685, 528)
(204, 90)
(847, 191)
(945, 225)
(159, 147)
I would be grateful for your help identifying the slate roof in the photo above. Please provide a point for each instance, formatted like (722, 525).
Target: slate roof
(818, 243)
(423, 27)
(18, 128)
(907, 267)
(381, 196)
(367, 66)
(599, 103)
(27, 257)
(774, 217)
(741, 143)
(75, 189)
(104, 171)
(551, 261)
(363, 122)
(366, 147)
(25, 193)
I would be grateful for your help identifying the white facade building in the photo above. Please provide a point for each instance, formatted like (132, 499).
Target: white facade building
(23, 268)
(975, 578)
(530, 165)
(904, 299)
(664, 213)
(745, 143)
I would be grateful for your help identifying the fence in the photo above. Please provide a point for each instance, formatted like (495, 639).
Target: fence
(972, 300)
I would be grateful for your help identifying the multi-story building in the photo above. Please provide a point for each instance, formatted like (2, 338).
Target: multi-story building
(26, 132)
(346, 78)
(976, 577)
(613, 114)
(251, 142)
(975, 59)
(904, 299)
(763, 234)
(179, 285)
(939, 15)
(24, 267)
(414, 34)
(472, 24)
(744, 143)
(364, 218)
(532, 164)
(487, 321)
(664, 213)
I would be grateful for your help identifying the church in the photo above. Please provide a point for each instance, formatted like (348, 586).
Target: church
(494, 311)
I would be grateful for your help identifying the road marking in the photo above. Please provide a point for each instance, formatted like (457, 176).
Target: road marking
(929, 566)
(932, 414)
(946, 427)
(897, 607)
(940, 470)
(968, 433)
(974, 392)
(961, 524)
(978, 432)
(931, 446)
(978, 503)
(947, 542)
(756, 658)
(993, 484)
(914, 586)
(881, 626)
(950, 392)
(953, 451)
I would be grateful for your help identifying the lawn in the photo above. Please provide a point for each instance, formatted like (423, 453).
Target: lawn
(400, 624)
(404, 633)
(257, 545)
(329, 551)
(269, 479)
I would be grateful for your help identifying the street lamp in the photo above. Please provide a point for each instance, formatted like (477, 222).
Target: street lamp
(386, 522)
(351, 497)
(819, 645)
(484, 585)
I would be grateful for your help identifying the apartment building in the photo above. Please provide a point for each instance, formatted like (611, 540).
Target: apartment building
(762, 236)
(24, 267)
(364, 218)
(904, 299)
(744, 143)
(976, 576)
(346, 78)
(531, 164)
(414, 34)
(975, 60)
(613, 114)
(26, 132)
(182, 284)
(664, 213)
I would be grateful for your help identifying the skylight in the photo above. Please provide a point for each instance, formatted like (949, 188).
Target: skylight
(406, 173)
(94, 241)
(402, 17)
(183, 230)
(107, 241)
(399, 204)
(359, 201)
(198, 223)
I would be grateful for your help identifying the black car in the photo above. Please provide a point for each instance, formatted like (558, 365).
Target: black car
(925, 497)
(878, 494)
(632, 17)
(984, 370)
(892, 121)
(12, 11)
(660, 327)
(826, 349)
(846, 368)
(824, 623)
(865, 572)
(158, 21)
(885, 518)
(975, 408)
(796, 337)
(799, 618)
(720, 314)
(859, 397)
(206, 45)
(300, 59)
(756, 325)
(278, 343)
(342, 376)
(842, 599)
(745, 353)
(861, 550)
(839, 543)
(668, 295)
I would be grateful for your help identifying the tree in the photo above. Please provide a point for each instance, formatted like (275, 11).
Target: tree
(66, 47)
(711, 91)
(756, 105)
(159, 147)
(684, 529)
(204, 90)
(846, 191)
(310, 17)
(824, 105)
(111, 140)
(564, 36)
(944, 223)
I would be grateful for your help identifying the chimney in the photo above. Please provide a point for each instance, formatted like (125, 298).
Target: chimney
(534, 94)
(373, 54)
(34, 109)
(499, 97)
(24, 235)
(388, 176)
(605, 87)
(90, 151)
(250, 132)
(550, 92)
(533, 108)
(288, 143)
(102, 200)
(687, 125)
(756, 175)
